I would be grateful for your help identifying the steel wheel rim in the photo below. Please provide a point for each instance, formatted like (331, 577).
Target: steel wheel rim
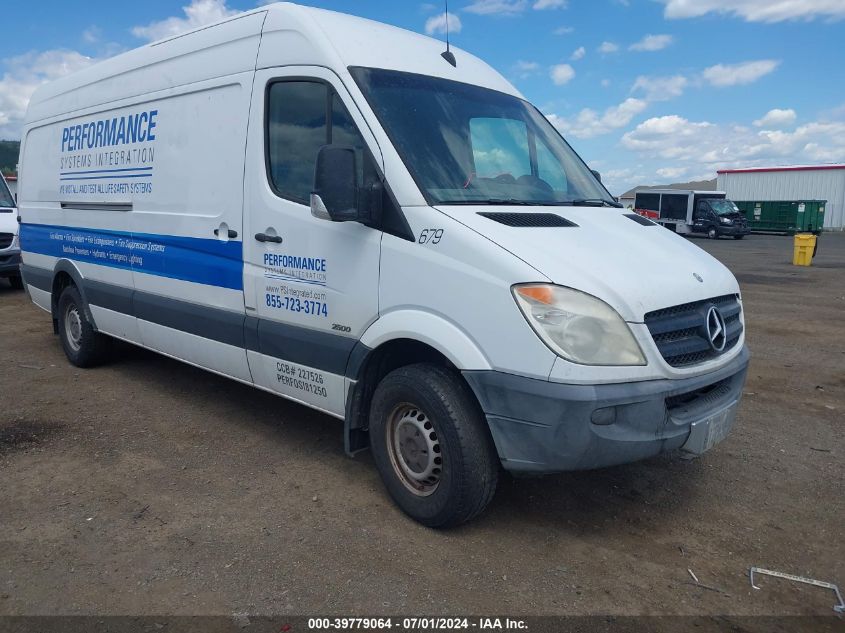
(73, 327)
(414, 449)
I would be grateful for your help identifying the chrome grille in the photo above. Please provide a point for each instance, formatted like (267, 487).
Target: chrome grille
(680, 332)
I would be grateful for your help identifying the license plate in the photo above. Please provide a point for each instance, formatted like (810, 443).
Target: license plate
(709, 431)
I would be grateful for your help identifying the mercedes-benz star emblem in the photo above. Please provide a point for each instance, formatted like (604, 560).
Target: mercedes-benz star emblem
(716, 330)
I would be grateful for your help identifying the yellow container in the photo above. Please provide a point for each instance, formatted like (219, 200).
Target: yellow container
(803, 247)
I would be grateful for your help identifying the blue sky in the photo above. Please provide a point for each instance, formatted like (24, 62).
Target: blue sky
(647, 91)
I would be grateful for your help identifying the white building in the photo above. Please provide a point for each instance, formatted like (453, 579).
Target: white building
(814, 182)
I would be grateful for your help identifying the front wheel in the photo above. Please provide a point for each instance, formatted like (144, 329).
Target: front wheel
(83, 345)
(431, 446)
(712, 233)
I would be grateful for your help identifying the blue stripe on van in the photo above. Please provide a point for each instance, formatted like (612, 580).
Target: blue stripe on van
(204, 261)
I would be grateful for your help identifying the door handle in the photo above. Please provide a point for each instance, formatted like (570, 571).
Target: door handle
(232, 234)
(263, 237)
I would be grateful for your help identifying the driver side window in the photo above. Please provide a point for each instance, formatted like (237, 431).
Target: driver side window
(302, 117)
(500, 148)
(549, 169)
(504, 150)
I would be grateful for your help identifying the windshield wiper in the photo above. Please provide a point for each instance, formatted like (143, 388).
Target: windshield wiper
(595, 202)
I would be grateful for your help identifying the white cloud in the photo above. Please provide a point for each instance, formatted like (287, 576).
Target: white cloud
(562, 74)
(525, 69)
(511, 7)
(578, 53)
(497, 7)
(588, 123)
(197, 14)
(438, 23)
(723, 75)
(608, 47)
(23, 74)
(91, 35)
(672, 173)
(660, 88)
(757, 10)
(776, 118)
(563, 30)
(652, 43)
(705, 146)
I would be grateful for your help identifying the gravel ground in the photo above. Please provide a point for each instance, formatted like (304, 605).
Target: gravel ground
(150, 487)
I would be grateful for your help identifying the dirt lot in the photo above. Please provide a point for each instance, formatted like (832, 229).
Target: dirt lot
(149, 487)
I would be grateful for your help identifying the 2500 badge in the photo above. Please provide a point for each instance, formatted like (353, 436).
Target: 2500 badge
(294, 304)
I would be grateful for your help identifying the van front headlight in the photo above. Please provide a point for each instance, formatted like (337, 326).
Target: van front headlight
(578, 326)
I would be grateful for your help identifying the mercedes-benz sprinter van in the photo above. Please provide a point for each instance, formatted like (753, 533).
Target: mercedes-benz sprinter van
(329, 209)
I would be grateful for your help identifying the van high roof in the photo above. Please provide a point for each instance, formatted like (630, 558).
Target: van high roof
(287, 33)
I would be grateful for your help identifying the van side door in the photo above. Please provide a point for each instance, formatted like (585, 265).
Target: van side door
(701, 217)
(311, 285)
(188, 271)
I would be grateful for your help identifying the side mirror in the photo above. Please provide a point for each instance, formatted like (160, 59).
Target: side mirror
(596, 174)
(335, 195)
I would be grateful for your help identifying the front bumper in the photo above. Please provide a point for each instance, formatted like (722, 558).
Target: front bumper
(733, 229)
(10, 264)
(543, 427)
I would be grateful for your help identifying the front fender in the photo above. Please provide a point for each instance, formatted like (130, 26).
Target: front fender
(433, 330)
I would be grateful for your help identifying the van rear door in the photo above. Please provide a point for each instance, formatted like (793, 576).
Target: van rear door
(311, 285)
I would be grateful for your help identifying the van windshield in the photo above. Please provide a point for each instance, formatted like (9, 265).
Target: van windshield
(723, 207)
(6, 199)
(469, 145)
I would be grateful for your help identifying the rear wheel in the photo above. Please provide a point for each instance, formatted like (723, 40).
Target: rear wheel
(432, 446)
(17, 282)
(83, 345)
(712, 233)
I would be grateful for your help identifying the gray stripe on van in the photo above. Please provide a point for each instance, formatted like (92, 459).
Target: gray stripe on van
(40, 278)
(109, 296)
(311, 348)
(218, 325)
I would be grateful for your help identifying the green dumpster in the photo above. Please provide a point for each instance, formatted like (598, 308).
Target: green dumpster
(783, 216)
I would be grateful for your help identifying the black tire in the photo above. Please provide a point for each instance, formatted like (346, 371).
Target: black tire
(17, 282)
(738, 237)
(436, 401)
(713, 233)
(83, 345)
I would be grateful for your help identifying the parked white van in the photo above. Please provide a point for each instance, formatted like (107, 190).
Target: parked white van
(328, 209)
(10, 253)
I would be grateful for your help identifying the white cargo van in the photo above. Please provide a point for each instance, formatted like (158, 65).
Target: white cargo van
(328, 209)
(10, 254)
